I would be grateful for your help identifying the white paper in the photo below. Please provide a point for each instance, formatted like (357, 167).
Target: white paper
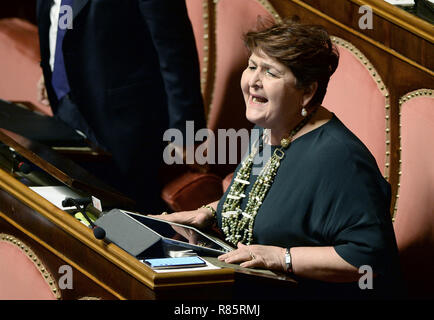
(56, 194)
(401, 2)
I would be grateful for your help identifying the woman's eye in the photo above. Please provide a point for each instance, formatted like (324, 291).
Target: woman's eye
(251, 67)
(271, 74)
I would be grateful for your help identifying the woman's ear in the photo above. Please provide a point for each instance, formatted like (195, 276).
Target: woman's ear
(309, 93)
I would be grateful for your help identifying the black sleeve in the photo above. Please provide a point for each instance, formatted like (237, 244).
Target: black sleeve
(359, 224)
(174, 41)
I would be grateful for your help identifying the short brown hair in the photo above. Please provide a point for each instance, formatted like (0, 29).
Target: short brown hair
(305, 49)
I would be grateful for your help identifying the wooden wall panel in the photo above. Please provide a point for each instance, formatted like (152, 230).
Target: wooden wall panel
(392, 26)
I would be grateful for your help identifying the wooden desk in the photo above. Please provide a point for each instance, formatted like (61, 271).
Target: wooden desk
(101, 269)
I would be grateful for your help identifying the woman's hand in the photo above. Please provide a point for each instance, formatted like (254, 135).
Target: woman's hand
(201, 218)
(266, 257)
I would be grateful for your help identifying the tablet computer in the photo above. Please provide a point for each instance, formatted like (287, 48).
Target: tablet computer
(182, 235)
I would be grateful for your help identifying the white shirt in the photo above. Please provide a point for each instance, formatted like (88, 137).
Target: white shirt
(54, 18)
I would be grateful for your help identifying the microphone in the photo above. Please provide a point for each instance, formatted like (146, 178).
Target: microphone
(28, 172)
(32, 173)
(25, 167)
(99, 232)
(76, 202)
(80, 204)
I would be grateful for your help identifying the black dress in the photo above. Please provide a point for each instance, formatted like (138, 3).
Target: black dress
(329, 191)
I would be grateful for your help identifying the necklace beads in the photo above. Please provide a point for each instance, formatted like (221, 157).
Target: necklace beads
(237, 224)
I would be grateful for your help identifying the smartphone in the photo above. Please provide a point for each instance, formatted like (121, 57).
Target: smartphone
(172, 263)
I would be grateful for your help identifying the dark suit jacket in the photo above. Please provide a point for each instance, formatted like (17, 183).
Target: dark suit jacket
(133, 71)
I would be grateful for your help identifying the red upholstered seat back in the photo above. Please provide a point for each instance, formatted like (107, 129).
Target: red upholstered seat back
(198, 12)
(359, 98)
(195, 13)
(233, 19)
(20, 276)
(414, 217)
(19, 63)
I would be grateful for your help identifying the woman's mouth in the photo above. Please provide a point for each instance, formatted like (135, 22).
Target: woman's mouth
(258, 99)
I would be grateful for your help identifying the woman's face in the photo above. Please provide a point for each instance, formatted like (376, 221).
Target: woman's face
(271, 97)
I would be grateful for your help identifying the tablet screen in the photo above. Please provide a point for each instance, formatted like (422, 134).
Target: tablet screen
(182, 233)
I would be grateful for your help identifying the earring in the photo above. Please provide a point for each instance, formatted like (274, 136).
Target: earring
(304, 112)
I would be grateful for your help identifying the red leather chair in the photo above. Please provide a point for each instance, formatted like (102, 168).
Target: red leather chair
(414, 215)
(22, 275)
(19, 63)
(359, 98)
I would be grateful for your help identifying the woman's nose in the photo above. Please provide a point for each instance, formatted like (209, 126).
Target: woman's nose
(255, 80)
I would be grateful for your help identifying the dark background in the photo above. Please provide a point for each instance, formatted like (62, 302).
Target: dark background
(20, 9)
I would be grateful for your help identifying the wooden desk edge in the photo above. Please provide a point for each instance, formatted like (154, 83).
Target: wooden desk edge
(109, 251)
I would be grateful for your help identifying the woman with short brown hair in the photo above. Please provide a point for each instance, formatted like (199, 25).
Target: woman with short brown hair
(319, 208)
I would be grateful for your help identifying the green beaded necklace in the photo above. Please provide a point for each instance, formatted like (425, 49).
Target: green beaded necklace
(237, 224)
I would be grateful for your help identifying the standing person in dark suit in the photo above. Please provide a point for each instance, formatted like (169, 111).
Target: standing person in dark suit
(125, 72)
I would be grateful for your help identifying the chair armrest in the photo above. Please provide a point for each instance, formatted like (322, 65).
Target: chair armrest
(191, 190)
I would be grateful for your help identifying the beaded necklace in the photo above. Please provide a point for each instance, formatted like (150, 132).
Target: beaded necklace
(237, 224)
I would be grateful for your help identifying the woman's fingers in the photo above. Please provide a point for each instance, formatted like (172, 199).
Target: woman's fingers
(256, 256)
(256, 263)
(235, 256)
(242, 254)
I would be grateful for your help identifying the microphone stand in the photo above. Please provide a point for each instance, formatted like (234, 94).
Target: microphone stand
(98, 232)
